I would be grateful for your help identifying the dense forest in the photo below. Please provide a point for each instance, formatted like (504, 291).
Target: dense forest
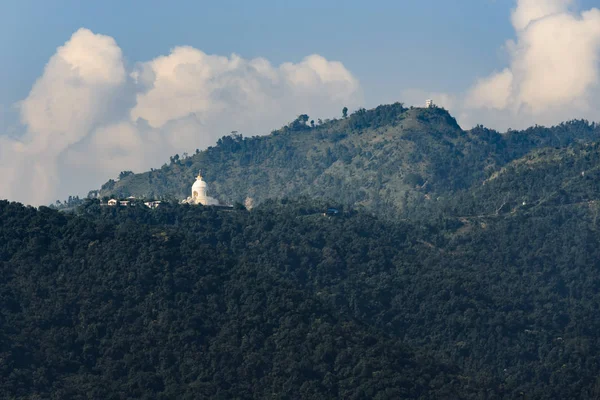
(187, 302)
(282, 301)
(460, 265)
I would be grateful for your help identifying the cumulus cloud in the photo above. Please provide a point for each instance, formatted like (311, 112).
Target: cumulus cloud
(491, 92)
(189, 82)
(73, 94)
(528, 11)
(553, 73)
(89, 117)
(74, 90)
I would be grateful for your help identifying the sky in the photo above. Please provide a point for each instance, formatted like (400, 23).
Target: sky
(89, 89)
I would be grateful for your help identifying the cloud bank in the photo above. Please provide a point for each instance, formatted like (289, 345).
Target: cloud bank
(88, 116)
(552, 76)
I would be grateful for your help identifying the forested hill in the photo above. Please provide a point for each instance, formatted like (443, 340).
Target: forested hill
(192, 302)
(379, 158)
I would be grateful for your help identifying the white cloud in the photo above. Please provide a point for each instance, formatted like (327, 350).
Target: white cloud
(190, 82)
(528, 11)
(108, 147)
(553, 73)
(555, 60)
(87, 117)
(74, 91)
(491, 92)
(73, 94)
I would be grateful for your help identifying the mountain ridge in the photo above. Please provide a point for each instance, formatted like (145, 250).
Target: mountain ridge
(404, 297)
(377, 158)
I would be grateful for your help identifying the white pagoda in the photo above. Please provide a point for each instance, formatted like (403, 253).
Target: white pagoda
(199, 194)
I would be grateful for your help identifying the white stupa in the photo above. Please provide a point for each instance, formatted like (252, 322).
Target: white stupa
(199, 190)
(199, 193)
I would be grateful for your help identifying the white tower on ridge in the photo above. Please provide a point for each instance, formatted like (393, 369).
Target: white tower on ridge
(428, 103)
(199, 191)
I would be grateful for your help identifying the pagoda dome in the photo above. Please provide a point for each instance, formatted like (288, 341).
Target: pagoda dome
(199, 183)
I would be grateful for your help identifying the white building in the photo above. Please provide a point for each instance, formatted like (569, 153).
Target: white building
(199, 194)
(152, 204)
(112, 202)
(199, 190)
(428, 103)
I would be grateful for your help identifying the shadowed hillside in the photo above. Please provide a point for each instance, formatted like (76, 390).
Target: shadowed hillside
(183, 303)
(192, 302)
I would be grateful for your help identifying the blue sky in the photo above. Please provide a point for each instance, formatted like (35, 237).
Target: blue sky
(389, 45)
(92, 88)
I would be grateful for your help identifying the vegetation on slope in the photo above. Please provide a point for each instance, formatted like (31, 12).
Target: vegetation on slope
(548, 177)
(381, 159)
(488, 288)
(182, 303)
(188, 302)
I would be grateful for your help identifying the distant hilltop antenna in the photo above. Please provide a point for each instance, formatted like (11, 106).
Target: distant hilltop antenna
(429, 103)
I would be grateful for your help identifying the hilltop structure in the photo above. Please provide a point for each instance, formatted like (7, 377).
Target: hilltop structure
(199, 196)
